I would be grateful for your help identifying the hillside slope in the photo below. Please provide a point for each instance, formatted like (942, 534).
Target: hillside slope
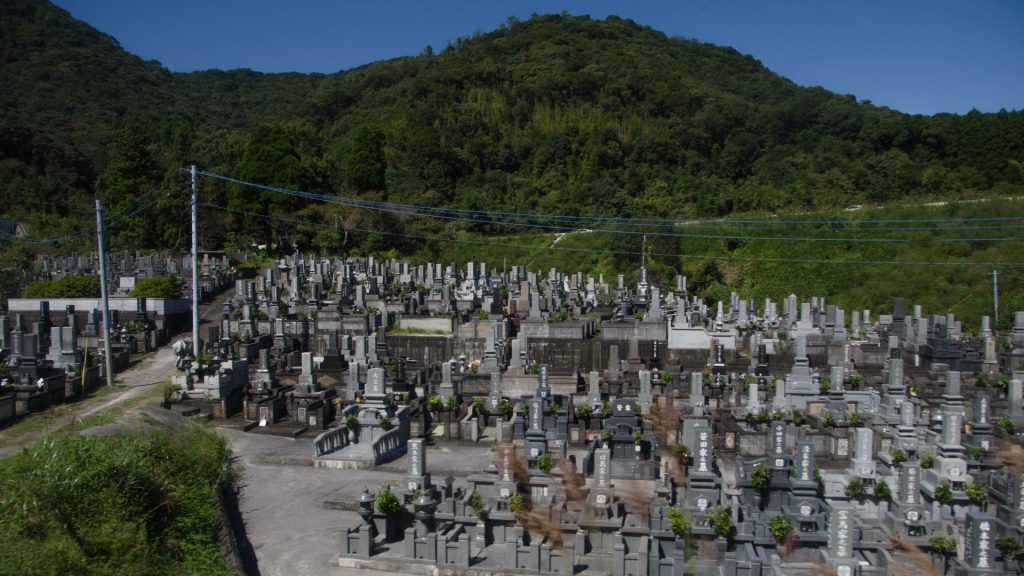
(558, 115)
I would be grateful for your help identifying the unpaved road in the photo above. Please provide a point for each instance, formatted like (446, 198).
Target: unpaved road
(139, 379)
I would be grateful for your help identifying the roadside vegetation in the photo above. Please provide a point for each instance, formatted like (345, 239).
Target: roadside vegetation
(123, 504)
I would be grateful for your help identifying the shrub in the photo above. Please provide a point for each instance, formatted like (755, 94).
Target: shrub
(898, 456)
(976, 492)
(546, 463)
(1010, 547)
(882, 490)
(584, 412)
(516, 503)
(760, 477)
(927, 460)
(720, 521)
(855, 487)
(682, 453)
(606, 436)
(780, 526)
(943, 493)
(434, 403)
(158, 287)
(476, 502)
(504, 407)
(853, 420)
(387, 502)
(452, 404)
(1006, 424)
(679, 522)
(351, 421)
(66, 287)
(942, 545)
(606, 409)
(385, 423)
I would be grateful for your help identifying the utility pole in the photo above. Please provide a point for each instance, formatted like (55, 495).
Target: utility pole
(195, 262)
(995, 301)
(108, 366)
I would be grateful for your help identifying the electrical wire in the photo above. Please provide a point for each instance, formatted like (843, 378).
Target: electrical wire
(454, 215)
(619, 252)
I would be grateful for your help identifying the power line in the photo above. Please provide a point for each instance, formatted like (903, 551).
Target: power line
(619, 252)
(445, 214)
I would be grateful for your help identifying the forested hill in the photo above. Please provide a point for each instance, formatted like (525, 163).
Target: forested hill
(557, 114)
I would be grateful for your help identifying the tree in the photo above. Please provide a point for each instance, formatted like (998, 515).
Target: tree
(131, 173)
(365, 165)
(780, 526)
(271, 157)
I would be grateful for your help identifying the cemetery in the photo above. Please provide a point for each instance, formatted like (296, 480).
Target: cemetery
(633, 430)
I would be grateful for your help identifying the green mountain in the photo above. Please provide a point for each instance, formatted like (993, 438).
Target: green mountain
(555, 115)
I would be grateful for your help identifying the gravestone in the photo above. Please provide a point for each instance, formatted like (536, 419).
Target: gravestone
(804, 463)
(594, 393)
(979, 541)
(417, 478)
(777, 445)
(840, 539)
(697, 399)
(307, 379)
(447, 386)
(352, 386)
(543, 382)
(645, 397)
(863, 462)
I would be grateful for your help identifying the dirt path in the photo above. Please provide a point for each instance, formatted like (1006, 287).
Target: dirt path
(151, 371)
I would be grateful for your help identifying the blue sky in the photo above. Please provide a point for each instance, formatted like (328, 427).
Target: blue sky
(917, 56)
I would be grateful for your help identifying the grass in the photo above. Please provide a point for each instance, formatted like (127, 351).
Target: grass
(45, 420)
(41, 420)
